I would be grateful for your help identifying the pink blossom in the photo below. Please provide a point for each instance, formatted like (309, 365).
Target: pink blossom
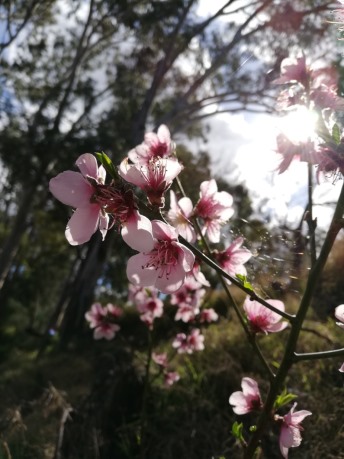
(170, 377)
(154, 178)
(179, 215)
(180, 343)
(294, 70)
(77, 189)
(208, 315)
(189, 343)
(341, 369)
(214, 208)
(98, 318)
(290, 436)
(302, 151)
(150, 310)
(197, 274)
(190, 293)
(95, 202)
(262, 319)
(155, 145)
(233, 258)
(147, 302)
(248, 399)
(160, 359)
(114, 310)
(186, 312)
(165, 265)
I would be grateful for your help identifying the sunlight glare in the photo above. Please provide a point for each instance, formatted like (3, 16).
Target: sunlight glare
(298, 125)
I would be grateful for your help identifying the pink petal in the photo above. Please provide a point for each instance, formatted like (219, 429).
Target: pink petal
(188, 258)
(299, 416)
(137, 233)
(341, 369)
(186, 206)
(172, 282)
(162, 231)
(151, 138)
(83, 223)
(226, 200)
(339, 313)
(276, 327)
(187, 232)
(71, 189)
(285, 440)
(132, 174)
(239, 403)
(138, 274)
(213, 229)
(208, 188)
(87, 164)
(164, 134)
(173, 168)
(250, 387)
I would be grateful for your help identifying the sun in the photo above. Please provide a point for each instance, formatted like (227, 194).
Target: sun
(298, 125)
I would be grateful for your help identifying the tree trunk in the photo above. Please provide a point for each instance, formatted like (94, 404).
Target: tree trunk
(81, 293)
(12, 241)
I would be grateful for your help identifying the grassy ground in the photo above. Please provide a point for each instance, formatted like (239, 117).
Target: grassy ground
(87, 402)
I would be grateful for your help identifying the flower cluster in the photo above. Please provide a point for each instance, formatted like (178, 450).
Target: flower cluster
(147, 302)
(314, 91)
(170, 377)
(187, 344)
(103, 320)
(249, 400)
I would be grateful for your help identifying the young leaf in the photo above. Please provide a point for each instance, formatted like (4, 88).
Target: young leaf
(283, 399)
(237, 431)
(243, 280)
(336, 134)
(107, 163)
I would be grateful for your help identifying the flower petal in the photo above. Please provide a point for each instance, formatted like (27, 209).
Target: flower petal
(137, 233)
(71, 189)
(339, 313)
(172, 282)
(250, 387)
(83, 223)
(87, 165)
(138, 273)
(163, 231)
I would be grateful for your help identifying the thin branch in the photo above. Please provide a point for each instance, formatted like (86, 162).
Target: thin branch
(318, 355)
(234, 281)
(250, 336)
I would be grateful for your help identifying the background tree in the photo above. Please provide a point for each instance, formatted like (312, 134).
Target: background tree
(84, 76)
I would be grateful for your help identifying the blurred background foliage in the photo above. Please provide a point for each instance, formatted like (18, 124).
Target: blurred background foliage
(87, 75)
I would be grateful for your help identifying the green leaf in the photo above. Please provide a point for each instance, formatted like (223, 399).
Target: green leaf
(336, 134)
(107, 163)
(243, 280)
(283, 399)
(237, 431)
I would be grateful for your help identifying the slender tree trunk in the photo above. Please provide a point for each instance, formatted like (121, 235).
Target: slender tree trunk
(12, 242)
(81, 293)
